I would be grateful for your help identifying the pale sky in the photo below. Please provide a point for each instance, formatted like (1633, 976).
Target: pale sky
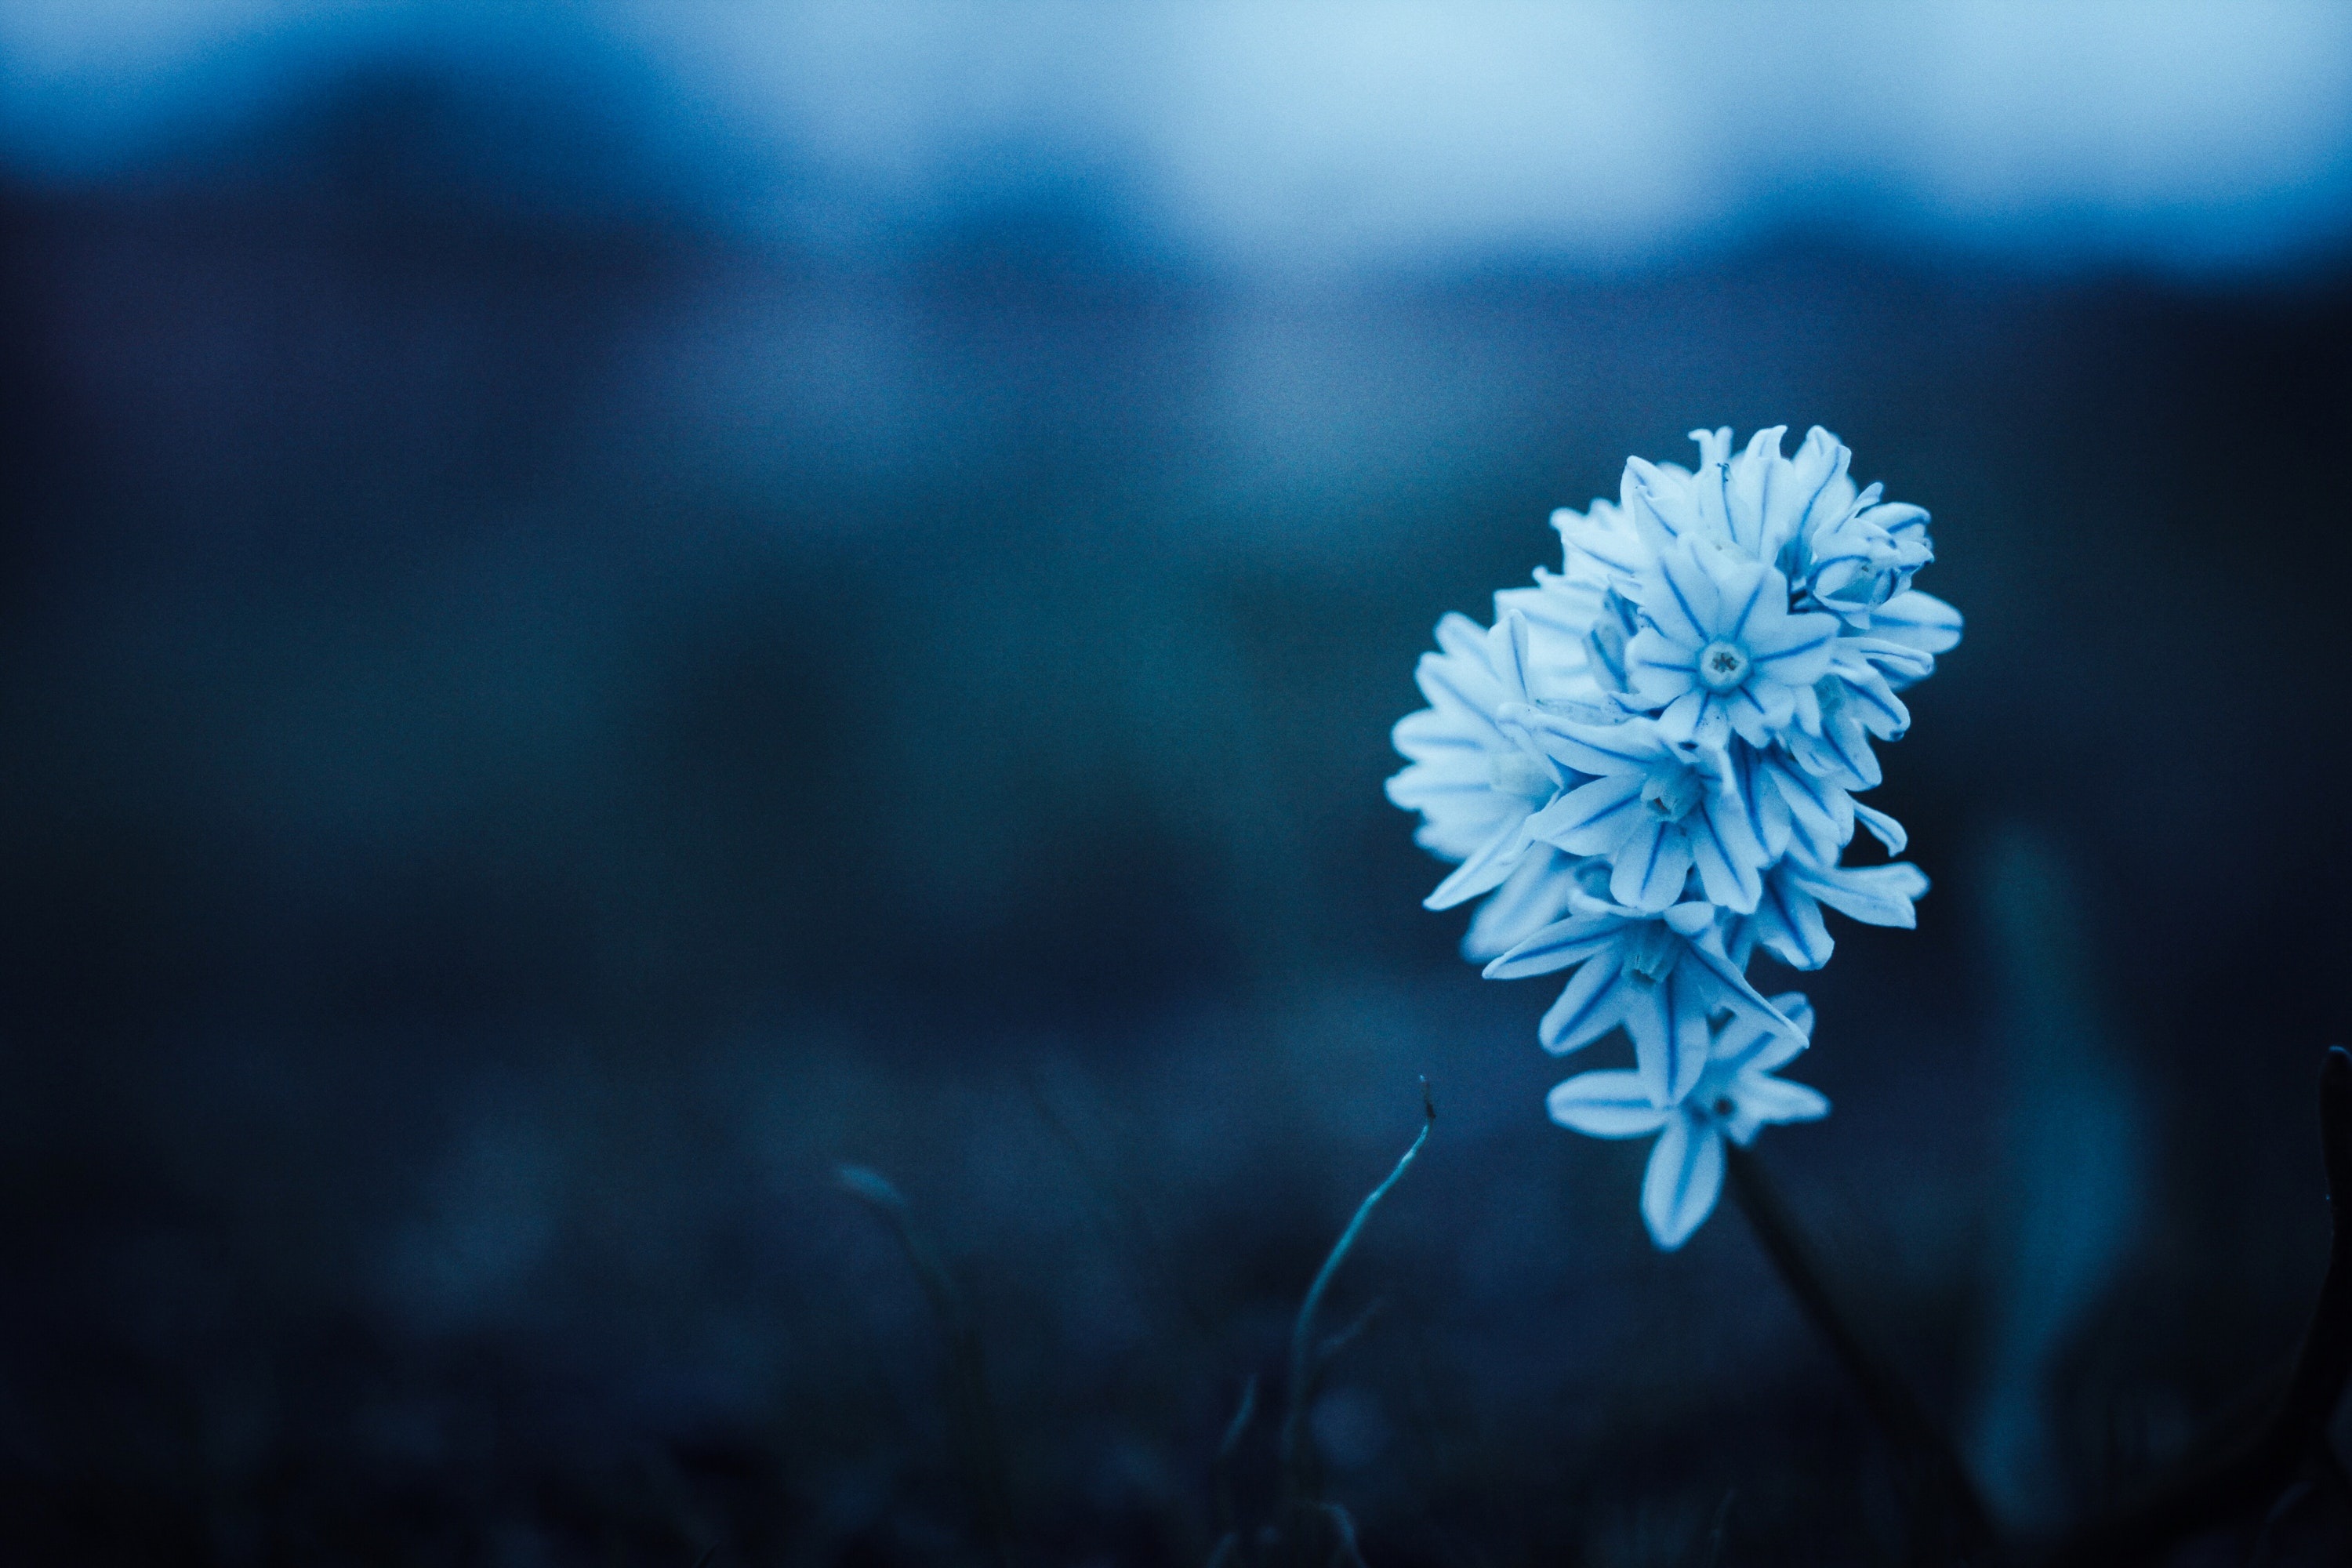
(1306, 135)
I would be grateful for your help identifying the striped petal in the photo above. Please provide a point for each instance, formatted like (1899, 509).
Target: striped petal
(1918, 620)
(1684, 1179)
(1557, 945)
(1667, 1020)
(1531, 898)
(1724, 848)
(1608, 1104)
(1758, 1102)
(1680, 599)
(1883, 827)
(1594, 1002)
(1650, 867)
(1791, 650)
(1593, 819)
(1876, 895)
(1482, 871)
(1788, 924)
(1598, 749)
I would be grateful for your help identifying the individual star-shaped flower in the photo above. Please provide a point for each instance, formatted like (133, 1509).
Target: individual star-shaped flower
(1855, 701)
(1654, 812)
(1475, 782)
(1788, 919)
(1792, 805)
(1661, 975)
(1736, 1097)
(1718, 650)
(1864, 558)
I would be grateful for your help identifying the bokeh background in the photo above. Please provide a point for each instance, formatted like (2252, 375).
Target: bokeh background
(605, 608)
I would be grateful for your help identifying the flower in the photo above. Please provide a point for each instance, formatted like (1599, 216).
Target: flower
(1647, 769)
(1736, 1097)
(1662, 976)
(1474, 781)
(1788, 919)
(1854, 700)
(1652, 811)
(1718, 650)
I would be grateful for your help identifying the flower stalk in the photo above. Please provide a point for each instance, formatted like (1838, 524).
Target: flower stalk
(1926, 1453)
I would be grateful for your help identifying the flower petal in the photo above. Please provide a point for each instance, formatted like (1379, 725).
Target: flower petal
(1667, 1021)
(1918, 620)
(1507, 655)
(1752, 596)
(1659, 667)
(1878, 895)
(1693, 919)
(1820, 810)
(1608, 1104)
(1531, 896)
(1896, 658)
(1557, 945)
(1791, 650)
(1483, 870)
(1788, 924)
(1684, 1179)
(1744, 1042)
(1594, 1002)
(1593, 819)
(1600, 750)
(1870, 698)
(1657, 497)
(1883, 827)
(1759, 1102)
(1681, 599)
(1840, 754)
(1756, 475)
(1712, 732)
(1794, 1006)
(1649, 866)
(1725, 849)
(1759, 710)
(1731, 988)
(1678, 725)
(1605, 535)
(1820, 468)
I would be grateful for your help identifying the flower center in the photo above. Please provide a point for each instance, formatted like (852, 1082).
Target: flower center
(1651, 952)
(1722, 665)
(1515, 773)
(1668, 797)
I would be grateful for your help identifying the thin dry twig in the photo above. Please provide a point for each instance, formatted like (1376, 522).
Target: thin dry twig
(1302, 1335)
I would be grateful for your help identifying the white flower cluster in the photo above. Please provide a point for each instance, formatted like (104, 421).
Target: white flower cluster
(1647, 767)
